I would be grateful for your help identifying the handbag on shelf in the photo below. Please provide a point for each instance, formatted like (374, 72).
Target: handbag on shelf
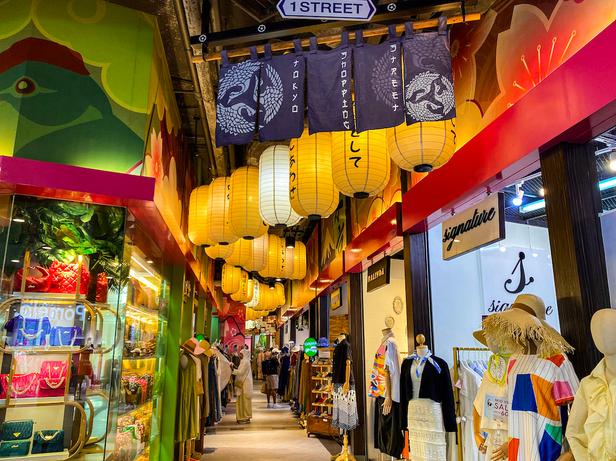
(27, 332)
(23, 386)
(38, 279)
(16, 430)
(52, 378)
(48, 441)
(14, 448)
(66, 336)
(64, 278)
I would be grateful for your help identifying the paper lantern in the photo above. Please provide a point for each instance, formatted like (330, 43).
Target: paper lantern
(422, 146)
(244, 214)
(274, 202)
(280, 294)
(231, 277)
(256, 294)
(244, 294)
(197, 216)
(219, 228)
(219, 251)
(299, 261)
(311, 185)
(241, 253)
(258, 260)
(275, 261)
(289, 263)
(360, 162)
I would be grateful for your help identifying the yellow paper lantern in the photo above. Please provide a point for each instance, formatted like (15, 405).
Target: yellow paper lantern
(275, 261)
(360, 162)
(231, 278)
(422, 146)
(197, 216)
(299, 261)
(256, 294)
(244, 294)
(280, 294)
(311, 185)
(289, 263)
(219, 251)
(244, 214)
(274, 202)
(219, 228)
(241, 254)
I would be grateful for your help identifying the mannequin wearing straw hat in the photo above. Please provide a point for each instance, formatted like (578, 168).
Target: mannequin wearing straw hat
(591, 431)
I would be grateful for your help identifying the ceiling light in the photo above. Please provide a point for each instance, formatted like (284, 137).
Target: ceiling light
(279, 280)
(46, 247)
(519, 195)
(149, 261)
(612, 164)
(15, 260)
(326, 280)
(290, 242)
(19, 220)
(502, 249)
(535, 255)
(456, 240)
(393, 221)
(542, 192)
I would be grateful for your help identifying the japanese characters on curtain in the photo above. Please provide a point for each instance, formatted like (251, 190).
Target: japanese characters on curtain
(330, 99)
(281, 95)
(379, 95)
(354, 87)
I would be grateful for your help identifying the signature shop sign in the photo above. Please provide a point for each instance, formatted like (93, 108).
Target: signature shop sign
(342, 10)
(379, 274)
(475, 227)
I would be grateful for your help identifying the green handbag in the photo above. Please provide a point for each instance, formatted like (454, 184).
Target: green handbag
(48, 441)
(14, 448)
(16, 430)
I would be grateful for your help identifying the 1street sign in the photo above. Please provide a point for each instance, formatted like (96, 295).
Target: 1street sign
(340, 10)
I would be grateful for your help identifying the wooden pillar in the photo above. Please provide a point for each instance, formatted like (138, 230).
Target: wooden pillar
(359, 439)
(418, 293)
(573, 204)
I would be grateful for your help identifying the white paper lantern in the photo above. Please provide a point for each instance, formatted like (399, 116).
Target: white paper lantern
(274, 202)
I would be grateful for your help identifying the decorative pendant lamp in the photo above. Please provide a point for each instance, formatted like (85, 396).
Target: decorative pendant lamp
(241, 254)
(231, 277)
(219, 251)
(289, 263)
(274, 202)
(244, 294)
(280, 295)
(422, 146)
(244, 212)
(311, 185)
(276, 251)
(197, 216)
(258, 259)
(299, 261)
(360, 162)
(219, 227)
(256, 294)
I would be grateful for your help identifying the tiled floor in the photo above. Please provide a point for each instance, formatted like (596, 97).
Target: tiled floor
(273, 434)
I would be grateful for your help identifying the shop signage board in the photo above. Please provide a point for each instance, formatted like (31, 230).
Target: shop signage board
(340, 10)
(336, 299)
(310, 347)
(379, 274)
(478, 226)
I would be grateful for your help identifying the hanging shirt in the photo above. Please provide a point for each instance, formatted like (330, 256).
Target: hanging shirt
(536, 389)
(386, 357)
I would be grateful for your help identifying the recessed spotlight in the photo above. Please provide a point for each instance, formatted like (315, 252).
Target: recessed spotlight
(149, 261)
(535, 255)
(326, 280)
(279, 280)
(502, 249)
(393, 222)
(15, 261)
(19, 220)
(612, 164)
(542, 192)
(356, 250)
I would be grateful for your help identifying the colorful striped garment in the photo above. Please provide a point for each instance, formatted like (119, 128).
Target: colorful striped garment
(537, 388)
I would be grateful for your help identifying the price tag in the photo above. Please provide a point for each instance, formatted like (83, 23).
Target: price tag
(496, 408)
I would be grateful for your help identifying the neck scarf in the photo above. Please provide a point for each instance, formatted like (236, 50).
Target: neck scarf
(423, 360)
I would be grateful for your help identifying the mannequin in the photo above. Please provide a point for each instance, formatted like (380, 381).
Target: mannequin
(385, 389)
(345, 414)
(427, 403)
(591, 430)
(540, 380)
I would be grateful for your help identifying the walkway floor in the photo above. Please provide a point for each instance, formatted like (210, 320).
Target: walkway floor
(273, 434)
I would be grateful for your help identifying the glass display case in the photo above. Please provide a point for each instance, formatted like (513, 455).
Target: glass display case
(82, 318)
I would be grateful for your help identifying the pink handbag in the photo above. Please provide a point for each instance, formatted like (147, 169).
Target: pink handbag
(52, 378)
(22, 386)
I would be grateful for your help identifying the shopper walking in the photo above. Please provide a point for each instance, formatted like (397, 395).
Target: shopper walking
(285, 370)
(271, 368)
(243, 388)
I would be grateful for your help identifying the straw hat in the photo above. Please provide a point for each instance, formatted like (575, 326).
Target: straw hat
(480, 336)
(514, 328)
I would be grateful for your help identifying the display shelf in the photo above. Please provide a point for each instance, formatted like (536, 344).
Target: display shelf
(42, 349)
(141, 406)
(58, 455)
(137, 359)
(319, 419)
(30, 401)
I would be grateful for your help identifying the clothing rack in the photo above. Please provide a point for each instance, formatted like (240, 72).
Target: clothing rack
(333, 39)
(456, 389)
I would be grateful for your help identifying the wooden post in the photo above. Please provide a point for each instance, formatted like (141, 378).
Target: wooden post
(573, 204)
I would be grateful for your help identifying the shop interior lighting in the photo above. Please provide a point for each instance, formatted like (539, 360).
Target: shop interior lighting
(20, 220)
(612, 164)
(15, 260)
(290, 241)
(519, 195)
(355, 250)
(609, 183)
(542, 192)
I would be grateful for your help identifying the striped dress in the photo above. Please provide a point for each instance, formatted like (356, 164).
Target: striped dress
(537, 387)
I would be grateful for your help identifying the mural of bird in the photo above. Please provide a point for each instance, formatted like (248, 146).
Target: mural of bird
(60, 112)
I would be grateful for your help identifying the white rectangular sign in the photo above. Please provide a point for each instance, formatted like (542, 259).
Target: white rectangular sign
(475, 227)
(341, 10)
